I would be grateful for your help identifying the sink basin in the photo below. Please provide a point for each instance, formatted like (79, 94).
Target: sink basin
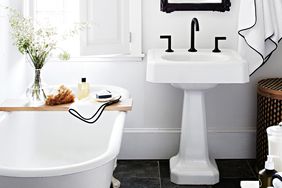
(195, 57)
(203, 66)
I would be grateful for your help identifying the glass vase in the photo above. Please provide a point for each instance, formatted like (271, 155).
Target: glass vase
(35, 92)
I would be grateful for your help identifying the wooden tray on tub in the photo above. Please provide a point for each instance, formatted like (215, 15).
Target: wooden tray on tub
(10, 105)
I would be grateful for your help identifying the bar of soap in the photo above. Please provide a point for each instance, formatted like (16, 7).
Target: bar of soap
(103, 94)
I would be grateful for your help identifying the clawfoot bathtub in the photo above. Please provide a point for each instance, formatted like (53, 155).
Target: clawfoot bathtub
(56, 150)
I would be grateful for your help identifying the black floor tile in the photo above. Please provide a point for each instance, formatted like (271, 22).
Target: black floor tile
(228, 183)
(164, 168)
(166, 183)
(133, 182)
(137, 169)
(155, 174)
(237, 169)
(253, 165)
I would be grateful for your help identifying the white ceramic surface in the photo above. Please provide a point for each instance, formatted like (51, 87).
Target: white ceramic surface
(203, 66)
(274, 137)
(193, 165)
(195, 72)
(54, 149)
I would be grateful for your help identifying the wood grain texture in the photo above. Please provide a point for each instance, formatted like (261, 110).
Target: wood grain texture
(271, 87)
(20, 105)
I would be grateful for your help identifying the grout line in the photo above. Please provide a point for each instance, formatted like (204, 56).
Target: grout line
(252, 169)
(159, 170)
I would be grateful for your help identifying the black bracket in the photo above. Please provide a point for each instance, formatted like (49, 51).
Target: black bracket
(216, 50)
(168, 37)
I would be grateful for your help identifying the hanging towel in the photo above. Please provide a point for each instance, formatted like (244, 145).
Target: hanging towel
(260, 30)
(89, 111)
(277, 180)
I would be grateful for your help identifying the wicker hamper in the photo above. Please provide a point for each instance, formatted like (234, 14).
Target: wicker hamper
(269, 113)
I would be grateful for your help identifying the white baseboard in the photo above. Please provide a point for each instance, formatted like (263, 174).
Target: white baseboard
(158, 143)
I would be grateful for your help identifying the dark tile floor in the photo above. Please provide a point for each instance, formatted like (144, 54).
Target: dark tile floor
(155, 174)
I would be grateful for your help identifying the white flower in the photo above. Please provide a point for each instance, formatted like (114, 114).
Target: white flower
(36, 40)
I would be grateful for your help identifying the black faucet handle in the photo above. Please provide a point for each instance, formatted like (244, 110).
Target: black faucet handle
(216, 49)
(168, 37)
(165, 36)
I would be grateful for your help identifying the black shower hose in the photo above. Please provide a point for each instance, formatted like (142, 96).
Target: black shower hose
(99, 112)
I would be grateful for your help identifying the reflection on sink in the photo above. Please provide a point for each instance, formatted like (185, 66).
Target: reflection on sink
(203, 66)
(199, 56)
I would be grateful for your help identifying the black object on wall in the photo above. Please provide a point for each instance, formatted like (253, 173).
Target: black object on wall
(170, 7)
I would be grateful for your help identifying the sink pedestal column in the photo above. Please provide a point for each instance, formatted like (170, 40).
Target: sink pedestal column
(193, 165)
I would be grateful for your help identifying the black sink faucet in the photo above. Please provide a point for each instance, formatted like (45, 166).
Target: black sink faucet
(194, 23)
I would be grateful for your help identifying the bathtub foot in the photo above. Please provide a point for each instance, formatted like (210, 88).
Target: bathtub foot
(115, 183)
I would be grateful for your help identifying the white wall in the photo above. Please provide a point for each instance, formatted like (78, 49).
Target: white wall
(12, 65)
(152, 128)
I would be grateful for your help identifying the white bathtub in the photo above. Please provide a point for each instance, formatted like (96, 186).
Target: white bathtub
(56, 150)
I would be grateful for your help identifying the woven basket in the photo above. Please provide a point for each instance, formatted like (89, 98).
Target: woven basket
(269, 113)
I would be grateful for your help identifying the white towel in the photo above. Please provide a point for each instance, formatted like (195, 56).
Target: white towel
(249, 184)
(260, 30)
(277, 181)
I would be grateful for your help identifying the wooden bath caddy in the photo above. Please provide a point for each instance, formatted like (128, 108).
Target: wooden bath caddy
(20, 105)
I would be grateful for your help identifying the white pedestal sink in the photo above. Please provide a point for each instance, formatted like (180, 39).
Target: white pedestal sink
(195, 73)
